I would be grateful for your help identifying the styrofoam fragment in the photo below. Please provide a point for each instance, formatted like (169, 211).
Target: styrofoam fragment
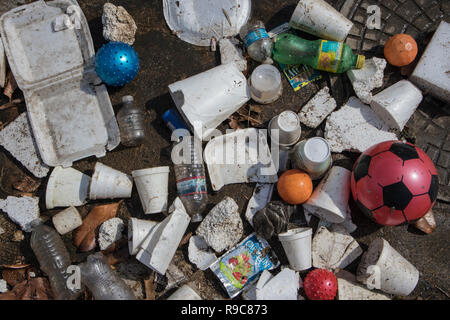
(366, 79)
(19, 141)
(229, 53)
(222, 228)
(67, 220)
(21, 210)
(118, 24)
(335, 249)
(199, 253)
(158, 249)
(283, 286)
(110, 231)
(348, 290)
(355, 127)
(432, 73)
(3, 286)
(250, 292)
(2, 65)
(260, 198)
(317, 109)
(347, 224)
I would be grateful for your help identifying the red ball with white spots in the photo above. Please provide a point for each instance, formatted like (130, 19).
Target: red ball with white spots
(394, 183)
(320, 284)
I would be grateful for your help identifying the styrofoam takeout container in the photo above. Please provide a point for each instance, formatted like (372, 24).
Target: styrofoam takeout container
(71, 118)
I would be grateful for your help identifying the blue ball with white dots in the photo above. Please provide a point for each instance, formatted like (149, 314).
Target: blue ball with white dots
(116, 63)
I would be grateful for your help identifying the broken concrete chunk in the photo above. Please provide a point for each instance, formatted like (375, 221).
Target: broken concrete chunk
(355, 127)
(229, 53)
(317, 109)
(283, 286)
(19, 141)
(110, 231)
(334, 249)
(351, 290)
(118, 24)
(432, 73)
(368, 78)
(160, 245)
(21, 210)
(260, 198)
(199, 253)
(2, 64)
(67, 220)
(222, 228)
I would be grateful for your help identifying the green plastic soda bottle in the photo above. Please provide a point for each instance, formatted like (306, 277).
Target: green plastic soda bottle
(325, 55)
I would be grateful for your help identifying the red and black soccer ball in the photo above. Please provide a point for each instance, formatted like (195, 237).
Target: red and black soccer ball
(394, 183)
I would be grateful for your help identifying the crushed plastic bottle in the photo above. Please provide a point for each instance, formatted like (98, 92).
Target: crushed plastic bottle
(131, 119)
(103, 282)
(325, 55)
(191, 178)
(54, 259)
(257, 41)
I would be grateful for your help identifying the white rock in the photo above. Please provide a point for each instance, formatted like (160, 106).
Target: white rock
(317, 109)
(229, 53)
(199, 253)
(222, 228)
(118, 24)
(349, 289)
(284, 286)
(67, 220)
(368, 78)
(260, 198)
(19, 141)
(160, 245)
(432, 72)
(2, 64)
(110, 231)
(335, 249)
(21, 210)
(3, 286)
(355, 127)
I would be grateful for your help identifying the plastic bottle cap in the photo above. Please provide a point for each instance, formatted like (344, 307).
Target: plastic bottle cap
(127, 99)
(360, 61)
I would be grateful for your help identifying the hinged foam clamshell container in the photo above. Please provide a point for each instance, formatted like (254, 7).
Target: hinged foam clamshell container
(71, 117)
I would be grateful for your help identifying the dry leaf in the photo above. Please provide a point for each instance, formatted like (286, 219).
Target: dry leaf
(34, 289)
(150, 288)
(117, 252)
(27, 184)
(11, 86)
(14, 276)
(427, 223)
(234, 123)
(84, 236)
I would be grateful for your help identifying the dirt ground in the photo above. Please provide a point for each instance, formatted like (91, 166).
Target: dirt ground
(164, 59)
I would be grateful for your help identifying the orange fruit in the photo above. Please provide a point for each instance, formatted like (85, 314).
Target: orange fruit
(295, 186)
(400, 50)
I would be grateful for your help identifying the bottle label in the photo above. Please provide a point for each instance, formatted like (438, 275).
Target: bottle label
(255, 35)
(191, 185)
(330, 55)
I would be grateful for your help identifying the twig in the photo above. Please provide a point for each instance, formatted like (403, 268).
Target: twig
(227, 16)
(149, 287)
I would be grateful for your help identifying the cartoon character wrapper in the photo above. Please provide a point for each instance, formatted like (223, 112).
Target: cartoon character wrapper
(243, 264)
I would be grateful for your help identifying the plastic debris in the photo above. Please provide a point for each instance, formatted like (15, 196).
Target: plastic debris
(253, 161)
(159, 247)
(334, 248)
(349, 289)
(197, 21)
(297, 245)
(368, 78)
(109, 183)
(67, 220)
(320, 284)
(355, 127)
(222, 228)
(317, 109)
(230, 53)
(273, 219)
(300, 75)
(22, 210)
(265, 84)
(118, 24)
(19, 141)
(283, 286)
(185, 293)
(110, 231)
(152, 186)
(431, 73)
(199, 253)
(261, 196)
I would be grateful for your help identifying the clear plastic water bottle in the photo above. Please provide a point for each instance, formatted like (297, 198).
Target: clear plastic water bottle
(190, 176)
(131, 119)
(103, 282)
(258, 43)
(53, 258)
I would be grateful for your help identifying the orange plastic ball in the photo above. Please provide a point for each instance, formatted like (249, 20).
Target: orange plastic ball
(295, 186)
(400, 50)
